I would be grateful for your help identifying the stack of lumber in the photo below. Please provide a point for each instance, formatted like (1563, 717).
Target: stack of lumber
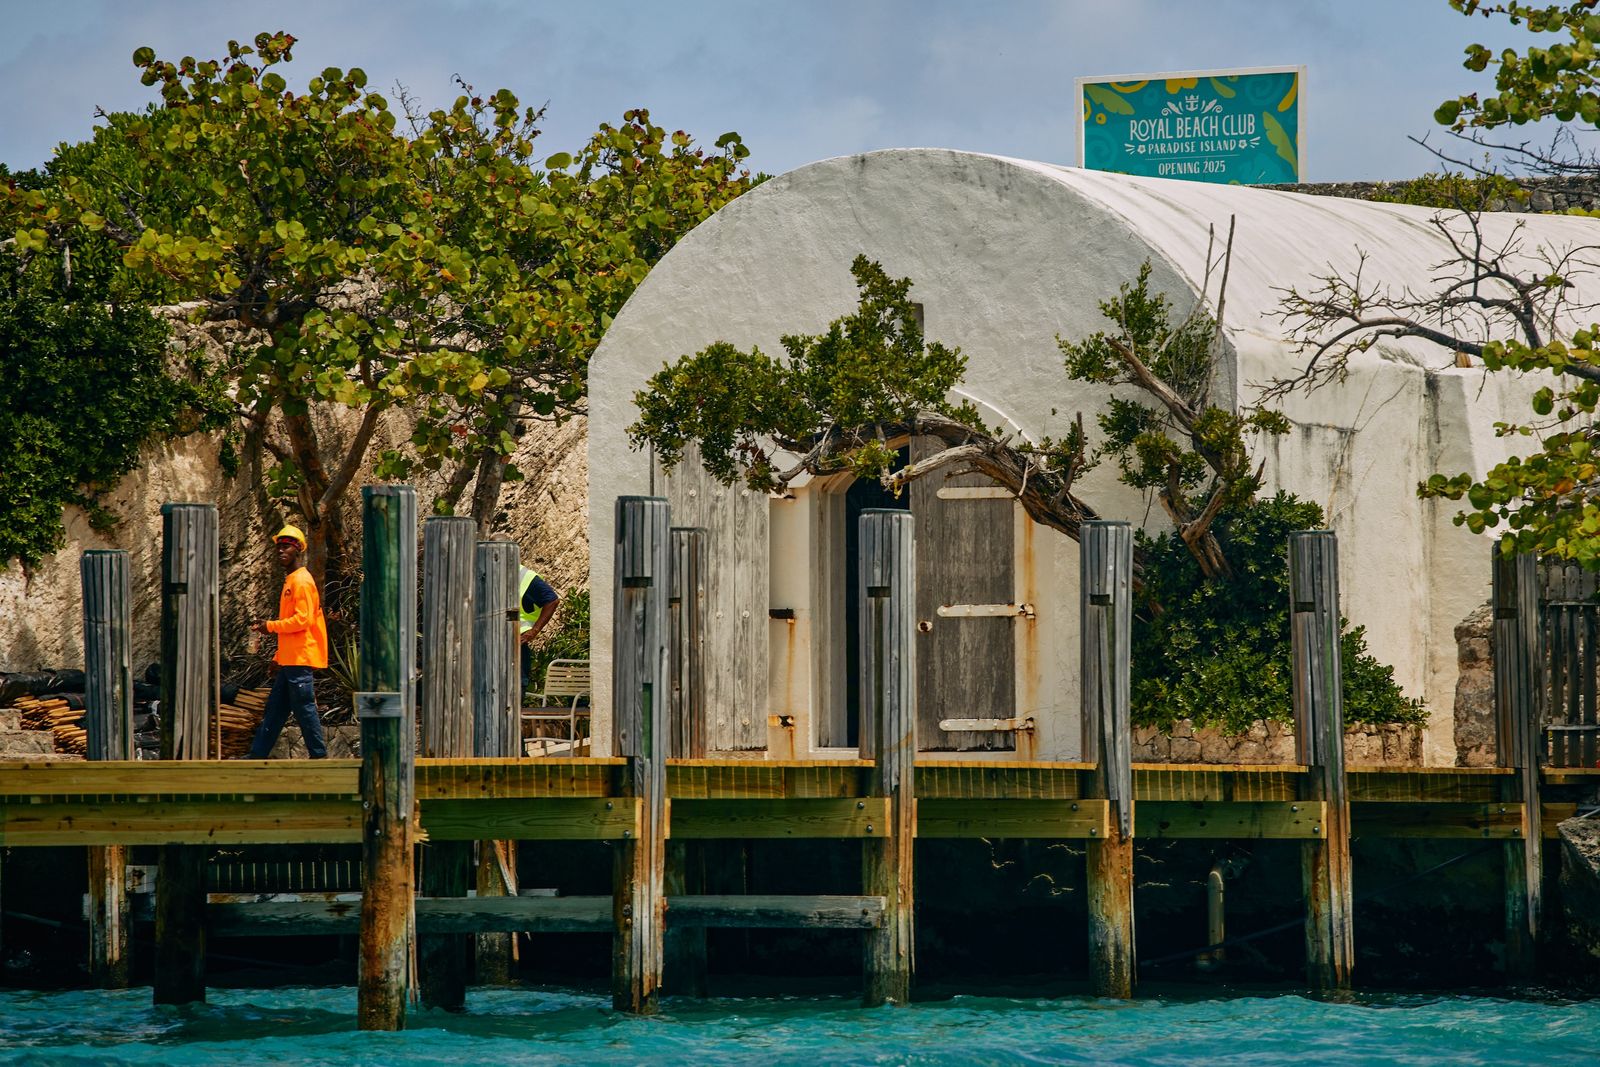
(56, 714)
(240, 718)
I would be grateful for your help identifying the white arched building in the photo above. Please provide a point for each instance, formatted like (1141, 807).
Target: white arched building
(1005, 255)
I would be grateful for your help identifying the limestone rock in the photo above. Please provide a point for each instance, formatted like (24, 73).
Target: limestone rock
(1474, 705)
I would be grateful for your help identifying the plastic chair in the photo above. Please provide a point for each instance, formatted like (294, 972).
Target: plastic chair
(564, 679)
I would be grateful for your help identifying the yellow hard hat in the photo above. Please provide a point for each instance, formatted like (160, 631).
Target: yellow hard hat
(292, 533)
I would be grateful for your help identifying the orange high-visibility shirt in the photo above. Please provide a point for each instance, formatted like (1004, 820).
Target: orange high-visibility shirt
(302, 632)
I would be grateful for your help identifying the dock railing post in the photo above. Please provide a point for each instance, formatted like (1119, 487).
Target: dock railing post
(444, 704)
(386, 708)
(889, 737)
(685, 966)
(108, 718)
(639, 695)
(190, 690)
(1319, 732)
(496, 729)
(1518, 663)
(1106, 587)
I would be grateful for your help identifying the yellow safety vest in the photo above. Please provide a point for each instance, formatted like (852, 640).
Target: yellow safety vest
(527, 618)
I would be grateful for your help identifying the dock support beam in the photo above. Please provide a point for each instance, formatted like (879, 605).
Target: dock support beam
(639, 688)
(444, 704)
(685, 965)
(496, 729)
(108, 718)
(386, 707)
(1517, 687)
(190, 689)
(1106, 586)
(889, 737)
(1319, 732)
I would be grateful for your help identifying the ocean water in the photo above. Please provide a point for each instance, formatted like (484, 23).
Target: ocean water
(316, 1026)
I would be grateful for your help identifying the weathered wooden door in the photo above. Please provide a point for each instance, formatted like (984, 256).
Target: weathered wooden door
(966, 644)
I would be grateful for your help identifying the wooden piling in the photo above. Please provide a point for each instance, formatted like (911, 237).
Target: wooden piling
(685, 874)
(889, 737)
(108, 719)
(190, 690)
(386, 707)
(1319, 731)
(1105, 563)
(1518, 661)
(444, 705)
(640, 682)
(496, 730)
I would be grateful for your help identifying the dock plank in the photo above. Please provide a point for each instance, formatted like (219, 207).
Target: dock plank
(1272, 819)
(1006, 818)
(1437, 820)
(531, 819)
(859, 817)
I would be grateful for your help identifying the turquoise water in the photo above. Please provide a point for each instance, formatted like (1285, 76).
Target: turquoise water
(304, 1026)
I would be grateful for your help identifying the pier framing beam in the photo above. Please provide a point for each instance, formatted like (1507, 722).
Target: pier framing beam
(190, 688)
(444, 706)
(1517, 687)
(639, 688)
(1319, 731)
(497, 731)
(108, 718)
(684, 966)
(889, 737)
(386, 707)
(1106, 586)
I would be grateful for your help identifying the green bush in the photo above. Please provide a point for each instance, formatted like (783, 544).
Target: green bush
(570, 639)
(1217, 652)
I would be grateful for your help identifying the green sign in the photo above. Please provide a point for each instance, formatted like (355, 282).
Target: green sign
(1240, 126)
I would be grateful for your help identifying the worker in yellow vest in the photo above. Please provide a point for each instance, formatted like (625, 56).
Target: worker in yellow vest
(539, 605)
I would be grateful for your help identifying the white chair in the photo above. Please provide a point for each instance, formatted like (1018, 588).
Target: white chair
(566, 681)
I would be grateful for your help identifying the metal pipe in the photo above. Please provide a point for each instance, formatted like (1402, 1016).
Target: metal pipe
(1216, 926)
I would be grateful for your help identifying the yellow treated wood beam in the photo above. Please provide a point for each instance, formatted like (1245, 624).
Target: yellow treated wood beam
(858, 817)
(1260, 819)
(1053, 819)
(1498, 820)
(531, 819)
(182, 822)
(181, 778)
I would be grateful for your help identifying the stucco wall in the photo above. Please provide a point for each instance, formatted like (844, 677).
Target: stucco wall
(1005, 255)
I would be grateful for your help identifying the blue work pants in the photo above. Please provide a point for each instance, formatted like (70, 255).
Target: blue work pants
(291, 692)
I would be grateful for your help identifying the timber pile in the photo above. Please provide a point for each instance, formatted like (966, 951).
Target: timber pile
(240, 718)
(58, 715)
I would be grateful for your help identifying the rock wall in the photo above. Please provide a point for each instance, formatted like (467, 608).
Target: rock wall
(1272, 742)
(41, 609)
(1544, 194)
(1474, 706)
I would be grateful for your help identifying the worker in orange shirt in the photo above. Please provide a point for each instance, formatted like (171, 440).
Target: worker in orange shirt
(302, 645)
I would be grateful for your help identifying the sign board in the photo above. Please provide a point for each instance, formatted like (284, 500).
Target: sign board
(1231, 126)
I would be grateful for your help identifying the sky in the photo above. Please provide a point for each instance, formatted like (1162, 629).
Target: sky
(800, 80)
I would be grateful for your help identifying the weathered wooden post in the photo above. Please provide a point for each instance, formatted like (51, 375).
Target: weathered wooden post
(444, 704)
(108, 718)
(1105, 564)
(190, 689)
(639, 686)
(686, 860)
(1518, 662)
(386, 707)
(496, 730)
(889, 737)
(1319, 731)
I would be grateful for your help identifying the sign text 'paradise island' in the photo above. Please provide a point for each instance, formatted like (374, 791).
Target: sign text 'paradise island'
(1240, 126)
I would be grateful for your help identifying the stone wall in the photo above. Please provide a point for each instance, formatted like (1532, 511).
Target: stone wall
(1474, 707)
(1544, 194)
(1272, 742)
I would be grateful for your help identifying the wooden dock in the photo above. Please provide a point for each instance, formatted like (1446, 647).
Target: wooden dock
(661, 793)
